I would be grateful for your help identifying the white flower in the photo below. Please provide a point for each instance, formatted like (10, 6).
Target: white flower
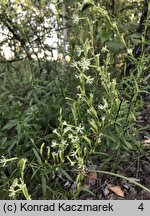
(80, 129)
(64, 123)
(54, 143)
(84, 63)
(101, 107)
(74, 64)
(64, 142)
(3, 160)
(129, 51)
(104, 49)
(70, 136)
(89, 111)
(75, 19)
(15, 183)
(67, 58)
(114, 25)
(78, 87)
(55, 131)
(12, 192)
(79, 51)
(72, 163)
(89, 80)
(79, 6)
(68, 128)
(75, 139)
(91, 96)
(80, 96)
(73, 154)
(76, 76)
(103, 118)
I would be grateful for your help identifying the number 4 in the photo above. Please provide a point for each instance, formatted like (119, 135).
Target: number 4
(141, 207)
